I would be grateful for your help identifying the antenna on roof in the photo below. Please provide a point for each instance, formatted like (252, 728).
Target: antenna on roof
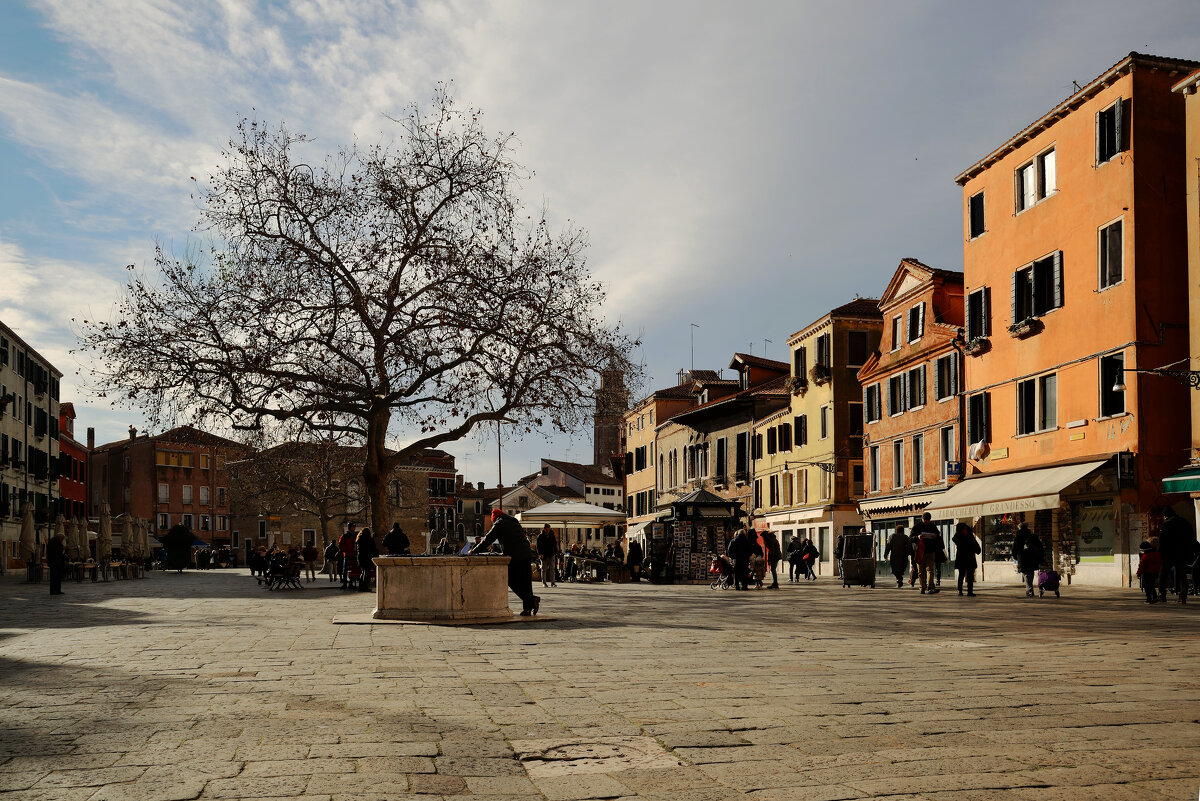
(692, 332)
(765, 341)
(1076, 85)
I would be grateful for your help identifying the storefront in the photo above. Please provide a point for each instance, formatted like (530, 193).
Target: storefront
(696, 528)
(1075, 509)
(884, 515)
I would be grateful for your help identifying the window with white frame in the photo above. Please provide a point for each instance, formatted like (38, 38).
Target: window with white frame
(873, 467)
(164, 493)
(945, 377)
(1112, 268)
(895, 393)
(164, 521)
(204, 496)
(1037, 404)
(826, 484)
(1036, 180)
(916, 322)
(975, 215)
(897, 332)
(1110, 133)
(979, 314)
(915, 391)
(187, 493)
(871, 404)
(898, 463)
(1037, 288)
(825, 412)
(948, 452)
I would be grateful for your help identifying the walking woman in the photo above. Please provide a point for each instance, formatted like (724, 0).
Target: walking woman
(965, 548)
(1028, 550)
(364, 551)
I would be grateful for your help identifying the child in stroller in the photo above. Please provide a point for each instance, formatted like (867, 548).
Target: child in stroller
(721, 571)
(1048, 581)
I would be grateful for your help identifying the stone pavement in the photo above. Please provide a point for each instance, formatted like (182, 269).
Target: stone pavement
(203, 685)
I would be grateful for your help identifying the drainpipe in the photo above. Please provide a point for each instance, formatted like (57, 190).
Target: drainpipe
(957, 344)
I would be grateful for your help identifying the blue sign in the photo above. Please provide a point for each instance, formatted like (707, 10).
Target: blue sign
(954, 469)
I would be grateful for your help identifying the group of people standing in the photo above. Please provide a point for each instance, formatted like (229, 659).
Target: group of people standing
(555, 563)
(921, 554)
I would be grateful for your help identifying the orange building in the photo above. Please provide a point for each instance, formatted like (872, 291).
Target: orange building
(912, 448)
(1076, 277)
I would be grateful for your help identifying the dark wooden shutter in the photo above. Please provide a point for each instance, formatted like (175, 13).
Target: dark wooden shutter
(1118, 126)
(1057, 278)
(921, 320)
(1015, 312)
(987, 311)
(987, 417)
(1099, 139)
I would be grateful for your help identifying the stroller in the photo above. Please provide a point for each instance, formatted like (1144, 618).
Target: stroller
(722, 573)
(1048, 581)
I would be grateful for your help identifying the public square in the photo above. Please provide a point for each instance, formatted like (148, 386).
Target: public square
(204, 685)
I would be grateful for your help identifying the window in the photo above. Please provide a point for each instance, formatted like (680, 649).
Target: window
(639, 458)
(800, 362)
(205, 523)
(186, 520)
(856, 419)
(824, 356)
(772, 440)
(856, 348)
(824, 422)
(786, 482)
(756, 447)
(164, 521)
(801, 424)
(897, 332)
(222, 522)
(1036, 180)
(1112, 375)
(918, 459)
(916, 322)
(979, 314)
(856, 472)
(871, 403)
(801, 486)
(975, 215)
(1037, 404)
(898, 463)
(722, 460)
(895, 392)
(1111, 253)
(204, 496)
(758, 493)
(945, 377)
(1110, 134)
(785, 436)
(773, 489)
(222, 494)
(826, 484)
(741, 464)
(204, 461)
(949, 454)
(915, 394)
(1037, 288)
(164, 493)
(187, 493)
(979, 413)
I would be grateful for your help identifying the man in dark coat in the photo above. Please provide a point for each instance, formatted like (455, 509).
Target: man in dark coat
(795, 557)
(965, 548)
(396, 541)
(1177, 546)
(507, 531)
(931, 539)
(739, 552)
(773, 556)
(634, 560)
(547, 551)
(1028, 550)
(898, 552)
(56, 562)
(365, 551)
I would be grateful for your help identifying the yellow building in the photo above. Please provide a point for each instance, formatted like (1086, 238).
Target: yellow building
(808, 468)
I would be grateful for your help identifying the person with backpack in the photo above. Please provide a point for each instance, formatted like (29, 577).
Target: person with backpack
(1028, 551)
(810, 556)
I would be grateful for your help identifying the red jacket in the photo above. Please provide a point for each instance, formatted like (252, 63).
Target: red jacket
(1150, 563)
(346, 544)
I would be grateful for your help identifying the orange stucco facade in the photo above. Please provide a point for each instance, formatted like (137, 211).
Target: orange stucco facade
(1075, 263)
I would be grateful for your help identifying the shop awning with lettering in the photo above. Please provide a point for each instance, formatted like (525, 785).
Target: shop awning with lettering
(1011, 492)
(1186, 480)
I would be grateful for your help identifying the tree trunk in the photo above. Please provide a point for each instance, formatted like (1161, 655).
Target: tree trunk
(375, 472)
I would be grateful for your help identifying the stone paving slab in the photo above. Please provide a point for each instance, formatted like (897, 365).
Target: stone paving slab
(205, 686)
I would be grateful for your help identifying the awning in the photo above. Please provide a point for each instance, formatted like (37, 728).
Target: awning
(892, 505)
(638, 530)
(1011, 492)
(1186, 480)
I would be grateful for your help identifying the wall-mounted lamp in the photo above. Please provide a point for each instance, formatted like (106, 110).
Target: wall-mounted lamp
(1189, 378)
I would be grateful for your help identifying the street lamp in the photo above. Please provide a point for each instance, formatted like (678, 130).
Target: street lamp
(1189, 378)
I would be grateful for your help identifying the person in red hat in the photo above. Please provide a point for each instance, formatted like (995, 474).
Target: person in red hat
(515, 545)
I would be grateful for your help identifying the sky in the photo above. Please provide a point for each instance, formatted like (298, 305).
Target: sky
(744, 167)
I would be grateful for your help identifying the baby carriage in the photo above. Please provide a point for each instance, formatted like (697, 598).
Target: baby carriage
(722, 573)
(1048, 581)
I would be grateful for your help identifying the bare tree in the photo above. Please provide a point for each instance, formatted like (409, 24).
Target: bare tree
(393, 290)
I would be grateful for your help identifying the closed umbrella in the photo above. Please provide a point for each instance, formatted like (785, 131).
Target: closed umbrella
(28, 538)
(60, 527)
(104, 541)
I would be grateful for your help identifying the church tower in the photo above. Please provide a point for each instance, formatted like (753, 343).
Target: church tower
(612, 401)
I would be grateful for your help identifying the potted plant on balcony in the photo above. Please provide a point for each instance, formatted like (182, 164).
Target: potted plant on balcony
(977, 346)
(820, 374)
(1025, 328)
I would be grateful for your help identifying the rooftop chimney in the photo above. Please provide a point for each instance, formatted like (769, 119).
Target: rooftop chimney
(132, 433)
(91, 438)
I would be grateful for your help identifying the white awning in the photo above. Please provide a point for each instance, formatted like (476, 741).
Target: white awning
(898, 504)
(638, 531)
(1011, 492)
(792, 517)
(572, 513)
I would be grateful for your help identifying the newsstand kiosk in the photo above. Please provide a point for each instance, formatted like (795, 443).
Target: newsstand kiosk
(697, 527)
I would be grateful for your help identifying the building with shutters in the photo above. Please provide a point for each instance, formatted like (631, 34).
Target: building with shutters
(29, 454)
(1075, 270)
(912, 448)
(807, 457)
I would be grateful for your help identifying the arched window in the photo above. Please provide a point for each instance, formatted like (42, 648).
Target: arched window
(354, 496)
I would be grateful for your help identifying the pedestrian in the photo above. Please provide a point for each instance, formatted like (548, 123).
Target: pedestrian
(1028, 551)
(331, 560)
(758, 562)
(739, 552)
(811, 556)
(310, 553)
(365, 550)
(1150, 565)
(795, 558)
(346, 549)
(930, 543)
(838, 549)
(634, 560)
(506, 530)
(773, 555)
(1177, 546)
(898, 552)
(965, 548)
(395, 542)
(56, 561)
(547, 551)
